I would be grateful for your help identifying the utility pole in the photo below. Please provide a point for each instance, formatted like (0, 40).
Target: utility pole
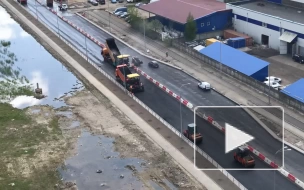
(109, 15)
(145, 34)
(58, 25)
(36, 8)
(85, 41)
(221, 56)
(180, 108)
(268, 87)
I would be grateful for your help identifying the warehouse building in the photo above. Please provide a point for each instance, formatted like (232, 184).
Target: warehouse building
(295, 90)
(237, 60)
(209, 15)
(272, 23)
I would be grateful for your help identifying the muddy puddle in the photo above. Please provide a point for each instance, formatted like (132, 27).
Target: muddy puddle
(38, 65)
(98, 166)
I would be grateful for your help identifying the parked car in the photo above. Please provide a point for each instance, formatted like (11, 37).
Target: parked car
(93, 2)
(123, 15)
(120, 1)
(63, 7)
(113, 1)
(136, 61)
(273, 84)
(118, 13)
(139, 4)
(128, 19)
(298, 58)
(204, 85)
(274, 79)
(130, 1)
(102, 2)
(122, 9)
(153, 64)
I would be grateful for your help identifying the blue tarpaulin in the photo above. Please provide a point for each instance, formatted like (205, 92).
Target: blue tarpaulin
(295, 90)
(237, 60)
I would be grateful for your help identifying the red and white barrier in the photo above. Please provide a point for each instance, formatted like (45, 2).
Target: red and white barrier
(186, 103)
(161, 86)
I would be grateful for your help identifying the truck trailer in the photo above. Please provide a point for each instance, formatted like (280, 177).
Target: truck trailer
(112, 55)
(49, 3)
(130, 80)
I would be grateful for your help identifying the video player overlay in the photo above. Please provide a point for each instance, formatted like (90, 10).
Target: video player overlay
(238, 138)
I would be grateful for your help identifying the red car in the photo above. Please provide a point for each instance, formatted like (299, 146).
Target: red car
(243, 157)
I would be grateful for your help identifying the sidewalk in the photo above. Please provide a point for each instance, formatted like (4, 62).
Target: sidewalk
(235, 90)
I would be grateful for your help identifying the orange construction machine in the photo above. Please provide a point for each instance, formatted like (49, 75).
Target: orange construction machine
(130, 80)
(112, 55)
(243, 157)
(191, 134)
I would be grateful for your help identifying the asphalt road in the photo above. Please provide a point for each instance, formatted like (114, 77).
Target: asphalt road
(165, 104)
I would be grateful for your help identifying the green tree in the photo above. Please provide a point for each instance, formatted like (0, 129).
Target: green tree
(135, 19)
(12, 83)
(190, 28)
(155, 25)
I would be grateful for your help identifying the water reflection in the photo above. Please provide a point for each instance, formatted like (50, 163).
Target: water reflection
(37, 64)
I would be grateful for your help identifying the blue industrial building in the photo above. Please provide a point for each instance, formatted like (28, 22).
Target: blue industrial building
(209, 15)
(295, 90)
(237, 60)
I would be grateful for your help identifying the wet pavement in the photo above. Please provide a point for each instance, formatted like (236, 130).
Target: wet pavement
(38, 65)
(98, 166)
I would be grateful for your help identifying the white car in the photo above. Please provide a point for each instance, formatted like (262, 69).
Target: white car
(139, 4)
(63, 7)
(118, 13)
(272, 84)
(273, 79)
(204, 85)
(129, 1)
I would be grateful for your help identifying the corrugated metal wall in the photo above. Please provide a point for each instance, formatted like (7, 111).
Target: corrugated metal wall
(216, 21)
(261, 74)
(167, 22)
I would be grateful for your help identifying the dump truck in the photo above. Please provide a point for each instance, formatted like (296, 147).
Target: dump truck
(112, 55)
(191, 134)
(130, 80)
(49, 3)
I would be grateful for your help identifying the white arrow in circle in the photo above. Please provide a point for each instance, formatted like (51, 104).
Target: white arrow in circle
(235, 138)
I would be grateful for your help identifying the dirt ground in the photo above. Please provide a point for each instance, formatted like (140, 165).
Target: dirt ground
(49, 140)
(102, 117)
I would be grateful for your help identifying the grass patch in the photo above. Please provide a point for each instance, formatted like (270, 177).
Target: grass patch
(20, 137)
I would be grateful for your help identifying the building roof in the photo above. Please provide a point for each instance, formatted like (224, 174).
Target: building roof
(272, 9)
(295, 90)
(233, 58)
(178, 10)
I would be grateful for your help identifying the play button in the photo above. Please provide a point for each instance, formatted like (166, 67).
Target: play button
(235, 138)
